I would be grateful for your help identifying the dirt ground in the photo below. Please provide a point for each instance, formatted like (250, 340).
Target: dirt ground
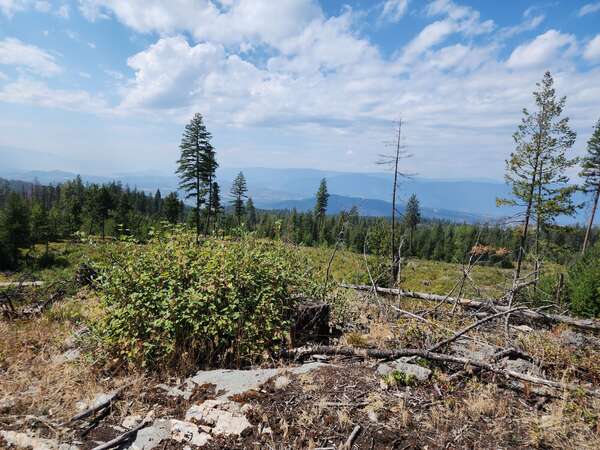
(50, 370)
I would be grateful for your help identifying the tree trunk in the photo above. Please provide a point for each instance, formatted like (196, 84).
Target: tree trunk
(208, 209)
(588, 231)
(394, 273)
(523, 242)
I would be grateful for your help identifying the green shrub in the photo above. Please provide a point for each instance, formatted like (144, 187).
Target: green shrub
(583, 284)
(173, 303)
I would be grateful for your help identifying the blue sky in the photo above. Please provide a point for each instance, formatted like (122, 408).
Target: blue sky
(107, 85)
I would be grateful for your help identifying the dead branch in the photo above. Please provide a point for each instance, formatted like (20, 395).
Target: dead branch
(426, 354)
(489, 305)
(114, 395)
(122, 438)
(470, 327)
(352, 438)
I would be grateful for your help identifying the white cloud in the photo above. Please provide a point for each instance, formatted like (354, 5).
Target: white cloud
(467, 19)
(13, 52)
(431, 35)
(530, 23)
(229, 23)
(63, 11)
(33, 92)
(545, 48)
(394, 10)
(10, 7)
(589, 8)
(42, 6)
(592, 49)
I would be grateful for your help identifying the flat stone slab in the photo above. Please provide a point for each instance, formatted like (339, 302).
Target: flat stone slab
(400, 365)
(24, 440)
(225, 417)
(162, 429)
(234, 382)
(472, 349)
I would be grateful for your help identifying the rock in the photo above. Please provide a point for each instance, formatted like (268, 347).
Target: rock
(311, 322)
(572, 338)
(6, 403)
(281, 381)
(130, 422)
(149, 437)
(473, 350)
(24, 440)
(234, 382)
(186, 432)
(185, 393)
(69, 355)
(224, 416)
(400, 365)
(180, 431)
(521, 366)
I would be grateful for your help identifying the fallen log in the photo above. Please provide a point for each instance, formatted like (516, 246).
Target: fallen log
(19, 284)
(431, 356)
(489, 305)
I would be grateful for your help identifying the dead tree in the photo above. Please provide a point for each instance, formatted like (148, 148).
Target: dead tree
(392, 161)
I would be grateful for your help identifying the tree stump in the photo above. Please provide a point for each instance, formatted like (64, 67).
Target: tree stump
(311, 322)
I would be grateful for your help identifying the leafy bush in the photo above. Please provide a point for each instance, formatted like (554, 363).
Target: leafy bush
(173, 303)
(584, 284)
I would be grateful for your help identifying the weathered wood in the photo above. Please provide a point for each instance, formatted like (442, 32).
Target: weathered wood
(311, 322)
(539, 316)
(18, 284)
(426, 354)
(352, 438)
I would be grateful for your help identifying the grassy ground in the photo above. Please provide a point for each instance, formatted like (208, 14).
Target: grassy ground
(456, 408)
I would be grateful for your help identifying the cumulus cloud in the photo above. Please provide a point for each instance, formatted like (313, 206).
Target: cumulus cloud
(10, 7)
(592, 49)
(37, 93)
(394, 10)
(15, 53)
(229, 23)
(589, 8)
(543, 49)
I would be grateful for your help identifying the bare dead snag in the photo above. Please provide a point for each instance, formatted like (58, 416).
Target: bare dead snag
(489, 305)
(440, 357)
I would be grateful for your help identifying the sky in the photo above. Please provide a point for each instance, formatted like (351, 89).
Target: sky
(107, 86)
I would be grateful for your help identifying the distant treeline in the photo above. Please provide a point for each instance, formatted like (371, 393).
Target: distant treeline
(34, 214)
(431, 239)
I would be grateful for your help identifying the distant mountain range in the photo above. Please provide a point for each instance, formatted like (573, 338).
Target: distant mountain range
(456, 200)
(370, 207)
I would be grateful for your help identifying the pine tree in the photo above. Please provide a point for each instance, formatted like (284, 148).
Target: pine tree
(215, 203)
(238, 192)
(172, 208)
(157, 203)
(412, 217)
(536, 169)
(15, 229)
(196, 167)
(590, 172)
(251, 213)
(40, 227)
(322, 200)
